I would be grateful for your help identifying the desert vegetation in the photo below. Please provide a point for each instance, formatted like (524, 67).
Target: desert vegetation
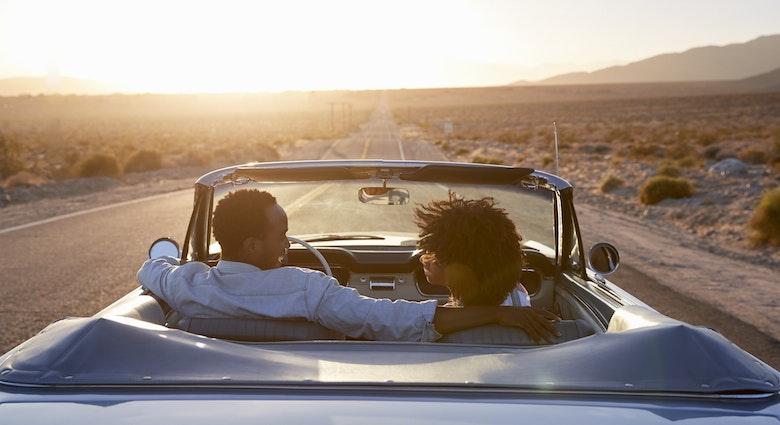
(658, 188)
(611, 183)
(651, 151)
(765, 223)
(52, 138)
(643, 150)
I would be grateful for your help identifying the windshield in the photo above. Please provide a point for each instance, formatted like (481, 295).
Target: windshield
(335, 208)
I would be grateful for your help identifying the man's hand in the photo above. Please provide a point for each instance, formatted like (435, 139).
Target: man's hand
(537, 323)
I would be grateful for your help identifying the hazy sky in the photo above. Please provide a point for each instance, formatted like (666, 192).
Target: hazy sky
(228, 45)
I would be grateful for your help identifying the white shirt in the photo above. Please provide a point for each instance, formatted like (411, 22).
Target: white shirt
(518, 297)
(234, 289)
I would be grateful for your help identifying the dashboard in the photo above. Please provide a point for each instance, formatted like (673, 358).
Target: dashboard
(396, 272)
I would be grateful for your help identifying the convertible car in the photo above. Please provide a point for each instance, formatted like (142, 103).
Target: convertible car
(616, 361)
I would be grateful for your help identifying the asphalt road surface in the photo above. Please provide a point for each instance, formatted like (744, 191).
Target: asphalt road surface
(75, 265)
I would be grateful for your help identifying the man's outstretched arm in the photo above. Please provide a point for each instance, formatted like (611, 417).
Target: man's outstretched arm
(537, 323)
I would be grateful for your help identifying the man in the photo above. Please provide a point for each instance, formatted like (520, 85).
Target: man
(249, 281)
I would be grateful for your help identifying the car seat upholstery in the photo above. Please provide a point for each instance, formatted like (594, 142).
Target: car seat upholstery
(510, 335)
(260, 329)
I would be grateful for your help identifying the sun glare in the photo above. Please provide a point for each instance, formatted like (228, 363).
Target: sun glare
(264, 45)
(180, 46)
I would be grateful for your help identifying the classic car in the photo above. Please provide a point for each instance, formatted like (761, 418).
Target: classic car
(617, 360)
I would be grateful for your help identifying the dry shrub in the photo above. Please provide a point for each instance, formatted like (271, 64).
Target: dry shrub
(68, 168)
(462, 150)
(753, 156)
(619, 135)
(706, 139)
(487, 160)
(144, 160)
(10, 162)
(643, 150)
(444, 144)
(512, 138)
(677, 152)
(99, 165)
(24, 178)
(668, 171)
(658, 188)
(711, 152)
(765, 222)
(688, 162)
(775, 149)
(611, 183)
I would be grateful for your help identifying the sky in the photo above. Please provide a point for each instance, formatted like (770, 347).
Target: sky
(192, 46)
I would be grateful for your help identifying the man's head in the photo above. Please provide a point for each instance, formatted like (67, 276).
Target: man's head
(252, 228)
(472, 247)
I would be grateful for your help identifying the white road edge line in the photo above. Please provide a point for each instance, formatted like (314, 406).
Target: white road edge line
(295, 205)
(89, 211)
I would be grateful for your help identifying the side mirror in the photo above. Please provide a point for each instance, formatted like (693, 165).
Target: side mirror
(603, 258)
(164, 247)
(383, 196)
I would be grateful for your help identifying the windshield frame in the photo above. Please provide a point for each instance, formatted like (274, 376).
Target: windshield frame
(368, 172)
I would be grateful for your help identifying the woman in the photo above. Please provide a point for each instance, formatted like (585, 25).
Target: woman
(473, 248)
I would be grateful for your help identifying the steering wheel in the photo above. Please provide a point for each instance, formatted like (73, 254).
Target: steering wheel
(314, 251)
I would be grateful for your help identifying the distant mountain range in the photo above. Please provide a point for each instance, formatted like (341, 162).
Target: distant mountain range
(755, 63)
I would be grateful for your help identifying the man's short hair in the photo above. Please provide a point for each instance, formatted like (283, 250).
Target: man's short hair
(239, 215)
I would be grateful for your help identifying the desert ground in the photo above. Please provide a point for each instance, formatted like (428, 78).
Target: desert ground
(693, 132)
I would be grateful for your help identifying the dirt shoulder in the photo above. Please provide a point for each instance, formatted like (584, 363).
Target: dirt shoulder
(739, 288)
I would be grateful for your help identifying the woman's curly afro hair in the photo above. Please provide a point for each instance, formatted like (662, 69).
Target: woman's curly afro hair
(478, 244)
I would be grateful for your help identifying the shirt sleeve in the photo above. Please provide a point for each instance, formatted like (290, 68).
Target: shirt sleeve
(344, 309)
(158, 275)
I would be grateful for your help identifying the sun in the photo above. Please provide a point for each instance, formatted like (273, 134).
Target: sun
(181, 46)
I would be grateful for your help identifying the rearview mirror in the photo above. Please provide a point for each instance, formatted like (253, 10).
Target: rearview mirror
(383, 196)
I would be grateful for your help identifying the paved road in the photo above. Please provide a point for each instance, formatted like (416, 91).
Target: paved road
(76, 265)
(79, 264)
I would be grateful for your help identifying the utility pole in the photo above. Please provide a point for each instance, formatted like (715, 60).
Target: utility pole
(343, 116)
(332, 130)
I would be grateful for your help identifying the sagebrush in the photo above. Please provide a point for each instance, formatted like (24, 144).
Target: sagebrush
(99, 165)
(611, 183)
(144, 160)
(765, 223)
(658, 188)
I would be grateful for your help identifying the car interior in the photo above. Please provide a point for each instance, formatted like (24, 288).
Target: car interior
(389, 269)
(379, 272)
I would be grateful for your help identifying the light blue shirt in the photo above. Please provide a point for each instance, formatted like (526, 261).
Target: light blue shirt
(234, 289)
(518, 297)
